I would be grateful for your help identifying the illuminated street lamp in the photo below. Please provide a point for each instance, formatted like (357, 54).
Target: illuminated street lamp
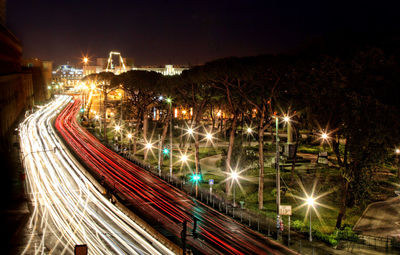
(169, 101)
(234, 176)
(85, 60)
(249, 130)
(209, 136)
(190, 131)
(184, 158)
(286, 119)
(310, 201)
(117, 128)
(149, 146)
(278, 178)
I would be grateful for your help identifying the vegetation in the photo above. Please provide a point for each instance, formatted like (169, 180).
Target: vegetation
(347, 93)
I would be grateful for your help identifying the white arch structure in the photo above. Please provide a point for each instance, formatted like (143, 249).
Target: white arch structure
(121, 63)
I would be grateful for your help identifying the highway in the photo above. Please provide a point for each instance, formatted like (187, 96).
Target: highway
(159, 203)
(68, 209)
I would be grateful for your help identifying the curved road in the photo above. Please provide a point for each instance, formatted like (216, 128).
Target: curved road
(68, 209)
(160, 203)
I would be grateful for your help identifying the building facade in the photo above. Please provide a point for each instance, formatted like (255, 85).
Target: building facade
(67, 76)
(41, 78)
(118, 65)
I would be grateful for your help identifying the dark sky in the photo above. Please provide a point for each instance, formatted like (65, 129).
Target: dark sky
(183, 32)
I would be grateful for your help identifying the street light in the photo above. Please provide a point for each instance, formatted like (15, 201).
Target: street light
(278, 177)
(129, 136)
(184, 158)
(286, 119)
(209, 136)
(169, 101)
(234, 177)
(310, 202)
(149, 146)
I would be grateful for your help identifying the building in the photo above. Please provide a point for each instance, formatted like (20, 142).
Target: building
(41, 78)
(117, 64)
(16, 87)
(67, 76)
(165, 70)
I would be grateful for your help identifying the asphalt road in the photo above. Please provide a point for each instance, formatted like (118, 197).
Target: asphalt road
(159, 203)
(67, 207)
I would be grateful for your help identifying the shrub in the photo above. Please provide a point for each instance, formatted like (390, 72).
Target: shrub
(298, 225)
(346, 234)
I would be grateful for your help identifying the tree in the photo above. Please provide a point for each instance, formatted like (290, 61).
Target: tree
(193, 88)
(261, 92)
(103, 80)
(142, 87)
(228, 76)
(350, 94)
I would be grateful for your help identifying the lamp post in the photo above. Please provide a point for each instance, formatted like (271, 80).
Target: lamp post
(234, 176)
(249, 131)
(117, 128)
(278, 177)
(310, 202)
(184, 159)
(129, 144)
(169, 101)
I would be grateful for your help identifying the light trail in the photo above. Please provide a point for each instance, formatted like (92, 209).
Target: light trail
(159, 203)
(67, 207)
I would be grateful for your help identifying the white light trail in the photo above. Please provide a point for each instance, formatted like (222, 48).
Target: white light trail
(68, 209)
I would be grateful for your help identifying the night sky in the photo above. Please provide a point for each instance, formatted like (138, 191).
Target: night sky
(183, 32)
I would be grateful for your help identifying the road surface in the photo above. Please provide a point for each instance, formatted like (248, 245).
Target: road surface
(67, 207)
(159, 203)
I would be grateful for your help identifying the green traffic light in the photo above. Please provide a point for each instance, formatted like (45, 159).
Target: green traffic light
(196, 177)
(165, 151)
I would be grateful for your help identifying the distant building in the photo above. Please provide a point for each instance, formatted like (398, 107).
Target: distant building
(41, 77)
(166, 70)
(67, 76)
(115, 65)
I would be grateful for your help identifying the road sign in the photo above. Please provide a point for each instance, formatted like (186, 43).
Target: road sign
(211, 182)
(285, 210)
